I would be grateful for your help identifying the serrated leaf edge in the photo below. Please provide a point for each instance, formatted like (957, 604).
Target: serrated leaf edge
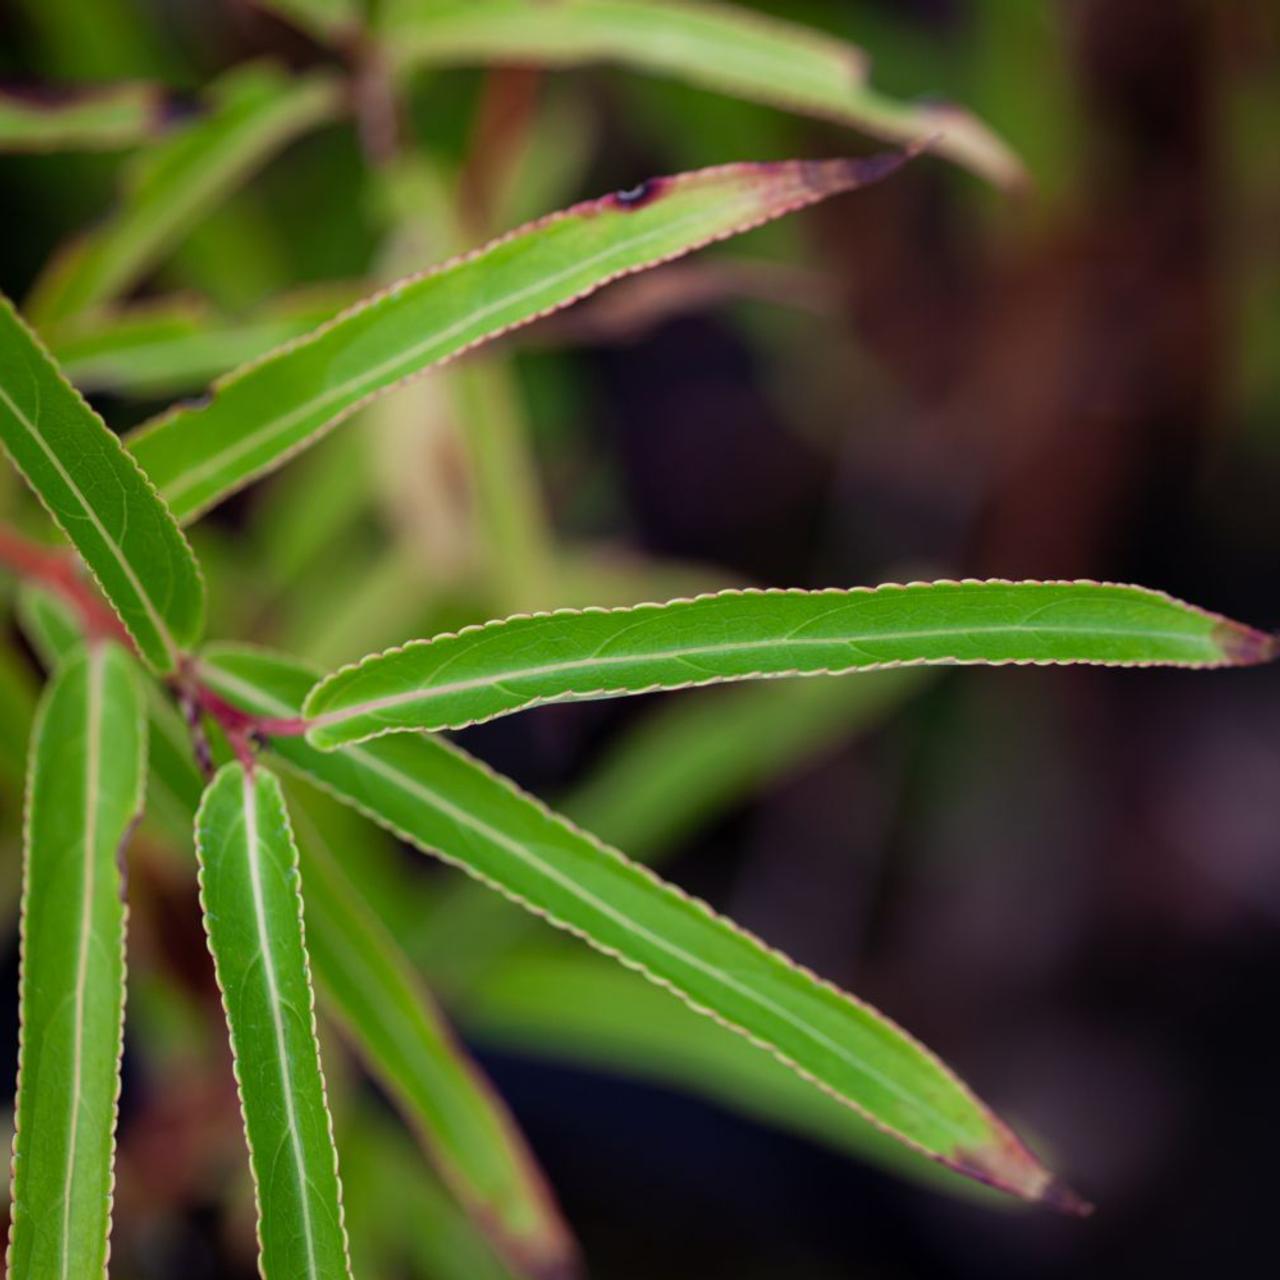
(1265, 647)
(250, 801)
(99, 650)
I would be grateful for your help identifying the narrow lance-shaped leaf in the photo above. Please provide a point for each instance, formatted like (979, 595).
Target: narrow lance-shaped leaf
(249, 890)
(393, 1022)
(438, 798)
(500, 667)
(255, 112)
(718, 46)
(99, 497)
(259, 415)
(84, 793)
(88, 120)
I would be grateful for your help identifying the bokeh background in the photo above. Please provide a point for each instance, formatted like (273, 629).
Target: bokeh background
(1065, 881)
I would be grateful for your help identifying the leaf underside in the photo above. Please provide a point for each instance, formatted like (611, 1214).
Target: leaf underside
(502, 667)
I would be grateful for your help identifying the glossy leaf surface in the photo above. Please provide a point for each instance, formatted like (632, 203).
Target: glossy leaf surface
(99, 498)
(492, 670)
(259, 415)
(436, 797)
(249, 890)
(718, 46)
(84, 794)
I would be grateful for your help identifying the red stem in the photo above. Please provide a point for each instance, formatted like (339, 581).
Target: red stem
(57, 571)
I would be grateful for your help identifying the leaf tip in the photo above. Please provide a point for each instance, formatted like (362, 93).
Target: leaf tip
(1007, 1165)
(1057, 1195)
(1243, 646)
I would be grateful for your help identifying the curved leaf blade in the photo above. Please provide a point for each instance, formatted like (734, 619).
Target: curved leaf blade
(255, 111)
(263, 413)
(93, 120)
(84, 795)
(716, 46)
(436, 797)
(483, 672)
(249, 892)
(99, 497)
(392, 1020)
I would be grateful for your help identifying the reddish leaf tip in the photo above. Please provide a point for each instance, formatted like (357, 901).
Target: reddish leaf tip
(1057, 1195)
(1246, 647)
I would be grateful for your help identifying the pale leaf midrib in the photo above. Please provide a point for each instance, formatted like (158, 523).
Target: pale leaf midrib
(425, 694)
(93, 787)
(253, 856)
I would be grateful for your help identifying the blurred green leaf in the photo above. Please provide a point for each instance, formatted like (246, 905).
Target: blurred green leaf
(441, 800)
(254, 112)
(553, 1003)
(249, 891)
(717, 46)
(85, 793)
(174, 346)
(261, 415)
(506, 666)
(99, 497)
(94, 120)
(394, 1024)
(388, 1185)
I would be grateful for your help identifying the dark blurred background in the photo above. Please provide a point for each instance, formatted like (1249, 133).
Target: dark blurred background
(1065, 881)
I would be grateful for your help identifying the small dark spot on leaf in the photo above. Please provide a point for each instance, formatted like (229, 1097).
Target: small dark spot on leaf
(638, 196)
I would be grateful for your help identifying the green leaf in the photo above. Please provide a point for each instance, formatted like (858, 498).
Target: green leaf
(84, 794)
(260, 415)
(548, 1002)
(91, 120)
(393, 1022)
(684, 764)
(179, 345)
(436, 797)
(253, 918)
(50, 625)
(389, 1185)
(99, 497)
(255, 111)
(717, 46)
(691, 759)
(492, 670)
